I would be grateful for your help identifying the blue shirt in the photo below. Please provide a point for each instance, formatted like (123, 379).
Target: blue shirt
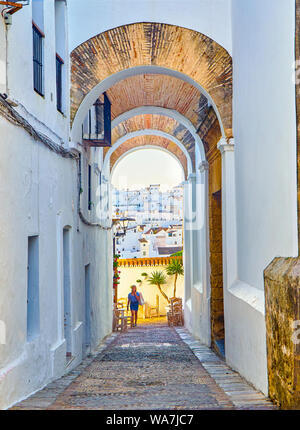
(132, 297)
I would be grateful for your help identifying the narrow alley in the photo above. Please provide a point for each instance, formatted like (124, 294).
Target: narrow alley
(150, 173)
(150, 367)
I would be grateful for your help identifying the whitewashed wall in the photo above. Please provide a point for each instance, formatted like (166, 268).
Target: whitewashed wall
(265, 158)
(20, 73)
(199, 256)
(210, 17)
(39, 194)
(2, 58)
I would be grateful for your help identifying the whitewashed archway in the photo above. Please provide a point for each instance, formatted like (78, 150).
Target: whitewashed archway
(147, 132)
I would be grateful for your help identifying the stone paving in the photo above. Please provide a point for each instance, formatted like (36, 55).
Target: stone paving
(150, 367)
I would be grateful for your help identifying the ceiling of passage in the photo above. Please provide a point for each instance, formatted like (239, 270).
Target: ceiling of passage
(146, 44)
(158, 90)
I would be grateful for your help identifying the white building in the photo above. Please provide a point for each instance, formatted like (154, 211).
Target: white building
(152, 210)
(127, 246)
(149, 205)
(140, 241)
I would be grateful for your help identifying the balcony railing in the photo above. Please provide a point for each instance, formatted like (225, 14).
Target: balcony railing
(147, 261)
(96, 128)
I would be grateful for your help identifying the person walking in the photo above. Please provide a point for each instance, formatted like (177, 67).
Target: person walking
(134, 300)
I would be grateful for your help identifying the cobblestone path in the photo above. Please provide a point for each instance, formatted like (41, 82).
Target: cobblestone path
(150, 367)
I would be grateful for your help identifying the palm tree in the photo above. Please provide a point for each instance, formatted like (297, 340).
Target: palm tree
(175, 268)
(158, 278)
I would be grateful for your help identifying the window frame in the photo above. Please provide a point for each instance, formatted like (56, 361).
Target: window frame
(38, 62)
(59, 85)
(89, 187)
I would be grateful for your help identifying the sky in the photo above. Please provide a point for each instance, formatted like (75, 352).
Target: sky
(147, 166)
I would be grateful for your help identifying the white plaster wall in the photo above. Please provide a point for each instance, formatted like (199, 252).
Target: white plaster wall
(30, 187)
(129, 276)
(265, 133)
(39, 193)
(265, 157)
(187, 258)
(200, 290)
(210, 17)
(2, 57)
(20, 72)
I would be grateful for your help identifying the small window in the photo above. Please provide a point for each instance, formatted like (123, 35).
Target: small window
(33, 304)
(89, 187)
(38, 57)
(79, 173)
(59, 82)
(60, 49)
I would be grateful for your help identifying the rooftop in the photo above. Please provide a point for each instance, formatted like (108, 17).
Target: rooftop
(143, 240)
(167, 250)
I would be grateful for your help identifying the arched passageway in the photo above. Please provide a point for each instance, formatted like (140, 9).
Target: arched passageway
(158, 87)
(152, 44)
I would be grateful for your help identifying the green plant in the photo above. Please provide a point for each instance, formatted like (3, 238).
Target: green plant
(139, 281)
(144, 274)
(158, 278)
(116, 276)
(175, 268)
(177, 254)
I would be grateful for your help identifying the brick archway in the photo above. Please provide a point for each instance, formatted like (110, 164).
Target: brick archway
(154, 44)
(156, 122)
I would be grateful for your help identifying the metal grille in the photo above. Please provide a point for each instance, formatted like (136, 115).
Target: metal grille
(96, 129)
(38, 61)
(79, 172)
(59, 67)
(89, 187)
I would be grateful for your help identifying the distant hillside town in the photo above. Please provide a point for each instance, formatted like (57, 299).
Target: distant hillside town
(158, 227)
